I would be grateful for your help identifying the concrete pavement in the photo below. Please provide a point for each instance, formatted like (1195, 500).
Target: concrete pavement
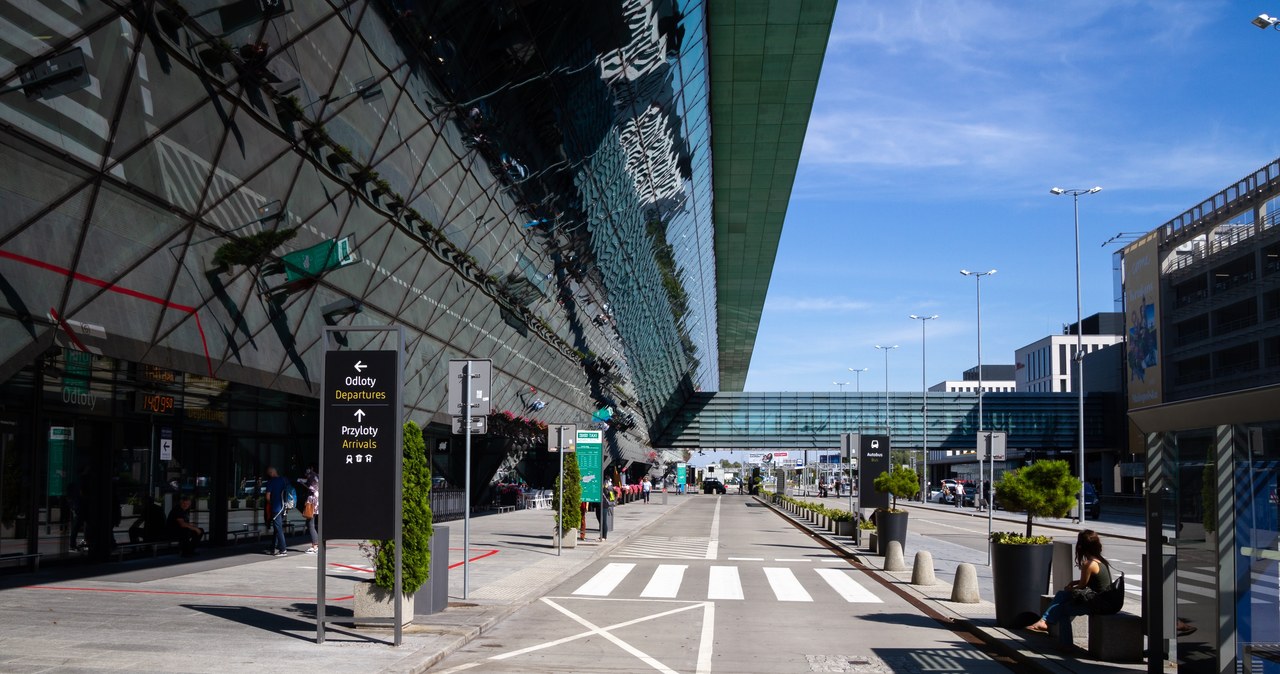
(1034, 652)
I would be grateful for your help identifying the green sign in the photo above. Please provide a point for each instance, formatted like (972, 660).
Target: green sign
(591, 464)
(310, 263)
(61, 441)
(682, 473)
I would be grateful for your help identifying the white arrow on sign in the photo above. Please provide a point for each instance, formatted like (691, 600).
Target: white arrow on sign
(359, 415)
(359, 366)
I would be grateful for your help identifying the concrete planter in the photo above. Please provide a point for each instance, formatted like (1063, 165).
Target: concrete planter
(371, 601)
(570, 539)
(891, 527)
(1020, 574)
(844, 528)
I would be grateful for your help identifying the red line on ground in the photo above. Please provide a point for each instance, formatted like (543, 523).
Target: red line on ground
(129, 292)
(167, 592)
(473, 559)
(348, 566)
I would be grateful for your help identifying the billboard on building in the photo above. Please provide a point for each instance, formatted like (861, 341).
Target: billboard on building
(1142, 320)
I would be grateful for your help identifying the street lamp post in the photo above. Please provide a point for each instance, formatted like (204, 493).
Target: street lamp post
(924, 407)
(991, 479)
(841, 384)
(886, 350)
(857, 377)
(1079, 357)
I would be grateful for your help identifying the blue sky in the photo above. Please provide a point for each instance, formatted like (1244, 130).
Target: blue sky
(937, 131)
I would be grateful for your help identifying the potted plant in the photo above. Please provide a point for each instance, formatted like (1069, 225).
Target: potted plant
(375, 598)
(891, 524)
(569, 516)
(842, 521)
(1020, 564)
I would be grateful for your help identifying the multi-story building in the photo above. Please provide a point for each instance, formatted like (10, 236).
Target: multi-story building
(1046, 365)
(1202, 309)
(995, 378)
(589, 194)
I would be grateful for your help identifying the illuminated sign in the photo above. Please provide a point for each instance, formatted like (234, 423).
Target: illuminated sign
(153, 403)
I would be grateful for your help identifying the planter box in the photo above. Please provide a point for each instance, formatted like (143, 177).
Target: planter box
(844, 528)
(891, 527)
(570, 539)
(1020, 574)
(371, 601)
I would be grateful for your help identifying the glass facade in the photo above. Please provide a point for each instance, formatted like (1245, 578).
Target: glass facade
(528, 182)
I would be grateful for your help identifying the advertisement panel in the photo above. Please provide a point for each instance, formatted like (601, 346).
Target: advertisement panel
(1142, 321)
(591, 464)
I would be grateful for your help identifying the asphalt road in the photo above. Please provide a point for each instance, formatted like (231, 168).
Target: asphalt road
(722, 585)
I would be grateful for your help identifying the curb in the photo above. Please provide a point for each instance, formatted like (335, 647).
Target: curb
(429, 656)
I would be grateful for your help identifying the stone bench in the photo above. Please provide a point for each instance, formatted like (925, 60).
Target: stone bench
(1113, 638)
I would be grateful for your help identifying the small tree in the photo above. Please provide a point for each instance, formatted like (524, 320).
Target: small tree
(416, 516)
(901, 482)
(569, 518)
(1043, 489)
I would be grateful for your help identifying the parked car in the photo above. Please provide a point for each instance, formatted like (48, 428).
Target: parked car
(713, 486)
(1092, 504)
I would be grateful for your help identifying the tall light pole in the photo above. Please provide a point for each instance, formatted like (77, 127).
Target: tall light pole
(857, 377)
(924, 407)
(1079, 358)
(977, 284)
(886, 350)
(841, 384)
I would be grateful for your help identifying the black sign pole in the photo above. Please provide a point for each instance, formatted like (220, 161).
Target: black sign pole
(466, 504)
(398, 450)
(560, 504)
(357, 480)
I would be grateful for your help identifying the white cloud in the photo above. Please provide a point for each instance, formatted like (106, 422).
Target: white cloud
(814, 304)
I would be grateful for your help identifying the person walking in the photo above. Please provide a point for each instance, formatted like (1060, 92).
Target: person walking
(311, 507)
(645, 487)
(275, 510)
(1095, 575)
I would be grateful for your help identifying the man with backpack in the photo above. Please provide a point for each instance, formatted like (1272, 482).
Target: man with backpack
(280, 497)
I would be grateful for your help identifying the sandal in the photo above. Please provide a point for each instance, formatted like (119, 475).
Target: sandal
(1040, 630)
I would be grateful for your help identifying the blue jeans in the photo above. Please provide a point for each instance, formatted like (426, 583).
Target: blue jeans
(1060, 612)
(277, 523)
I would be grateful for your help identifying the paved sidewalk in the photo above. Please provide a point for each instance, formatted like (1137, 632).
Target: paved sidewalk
(1034, 652)
(232, 609)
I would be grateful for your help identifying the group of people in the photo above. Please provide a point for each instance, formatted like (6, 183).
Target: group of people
(824, 486)
(180, 524)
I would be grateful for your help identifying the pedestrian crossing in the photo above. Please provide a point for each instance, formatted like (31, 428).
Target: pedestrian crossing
(624, 580)
(668, 547)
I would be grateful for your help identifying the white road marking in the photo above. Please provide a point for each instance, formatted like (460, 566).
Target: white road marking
(723, 583)
(665, 582)
(708, 638)
(786, 587)
(713, 547)
(605, 580)
(789, 559)
(640, 655)
(847, 587)
(746, 559)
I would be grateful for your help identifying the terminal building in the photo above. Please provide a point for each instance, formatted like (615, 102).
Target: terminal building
(1202, 373)
(589, 194)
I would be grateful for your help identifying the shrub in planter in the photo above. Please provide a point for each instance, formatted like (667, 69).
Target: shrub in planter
(1043, 489)
(569, 518)
(416, 517)
(891, 524)
(1020, 574)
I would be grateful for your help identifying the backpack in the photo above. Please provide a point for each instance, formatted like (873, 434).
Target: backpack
(1110, 600)
(290, 497)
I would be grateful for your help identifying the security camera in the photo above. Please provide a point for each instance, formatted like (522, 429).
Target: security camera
(1264, 22)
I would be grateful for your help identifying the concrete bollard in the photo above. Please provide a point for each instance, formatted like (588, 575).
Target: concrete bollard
(922, 569)
(893, 560)
(965, 589)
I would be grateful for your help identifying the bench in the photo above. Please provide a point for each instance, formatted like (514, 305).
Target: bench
(506, 508)
(1114, 638)
(32, 557)
(1269, 652)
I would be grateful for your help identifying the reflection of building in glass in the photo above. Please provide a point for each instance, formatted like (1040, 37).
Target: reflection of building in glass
(1202, 311)
(528, 182)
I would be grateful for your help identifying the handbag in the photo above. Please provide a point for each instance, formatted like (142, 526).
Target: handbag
(308, 510)
(1110, 600)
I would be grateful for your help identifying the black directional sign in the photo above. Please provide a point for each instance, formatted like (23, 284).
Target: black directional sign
(361, 417)
(873, 459)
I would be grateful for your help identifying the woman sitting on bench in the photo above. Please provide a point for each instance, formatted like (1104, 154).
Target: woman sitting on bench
(1095, 575)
